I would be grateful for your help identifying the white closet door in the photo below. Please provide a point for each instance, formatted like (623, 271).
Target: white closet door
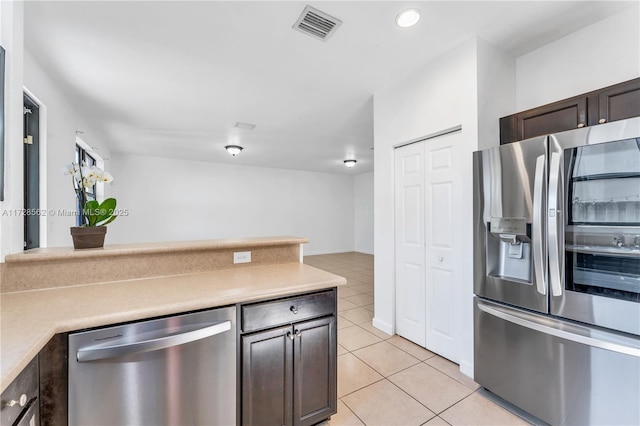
(442, 194)
(410, 244)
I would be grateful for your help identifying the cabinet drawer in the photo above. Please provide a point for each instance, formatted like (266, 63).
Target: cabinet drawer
(262, 315)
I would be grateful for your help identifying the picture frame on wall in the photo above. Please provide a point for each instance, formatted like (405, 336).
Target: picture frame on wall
(2, 61)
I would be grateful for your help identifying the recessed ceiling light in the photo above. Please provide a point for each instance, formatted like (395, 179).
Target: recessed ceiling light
(408, 18)
(350, 163)
(233, 149)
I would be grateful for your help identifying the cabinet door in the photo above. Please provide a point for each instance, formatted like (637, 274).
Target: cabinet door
(553, 118)
(618, 102)
(315, 374)
(266, 377)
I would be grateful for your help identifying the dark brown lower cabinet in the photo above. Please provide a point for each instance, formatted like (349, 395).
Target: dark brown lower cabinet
(267, 375)
(314, 371)
(289, 373)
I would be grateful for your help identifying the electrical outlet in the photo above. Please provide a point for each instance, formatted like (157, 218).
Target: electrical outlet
(242, 257)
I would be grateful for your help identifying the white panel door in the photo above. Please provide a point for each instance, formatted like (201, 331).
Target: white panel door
(442, 196)
(410, 244)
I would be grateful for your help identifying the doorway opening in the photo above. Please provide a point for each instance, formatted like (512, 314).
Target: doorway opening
(31, 156)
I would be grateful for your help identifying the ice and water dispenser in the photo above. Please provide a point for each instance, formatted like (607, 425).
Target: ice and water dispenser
(509, 248)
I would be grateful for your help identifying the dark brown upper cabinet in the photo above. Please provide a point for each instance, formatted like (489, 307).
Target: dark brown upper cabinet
(611, 103)
(617, 102)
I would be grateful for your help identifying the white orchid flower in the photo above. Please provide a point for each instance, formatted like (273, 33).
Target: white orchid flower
(105, 177)
(90, 172)
(71, 169)
(88, 182)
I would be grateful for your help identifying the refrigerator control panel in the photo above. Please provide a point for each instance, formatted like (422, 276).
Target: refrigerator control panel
(509, 225)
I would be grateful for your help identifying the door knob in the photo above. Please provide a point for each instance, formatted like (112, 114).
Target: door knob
(602, 121)
(580, 125)
(294, 310)
(440, 258)
(21, 402)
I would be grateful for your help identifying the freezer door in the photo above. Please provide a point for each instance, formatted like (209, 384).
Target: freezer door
(561, 372)
(509, 232)
(594, 225)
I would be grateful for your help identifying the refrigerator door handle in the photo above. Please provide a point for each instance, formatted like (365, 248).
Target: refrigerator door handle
(606, 341)
(539, 258)
(556, 258)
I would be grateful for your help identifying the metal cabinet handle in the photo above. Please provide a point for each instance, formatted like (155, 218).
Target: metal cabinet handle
(602, 121)
(127, 348)
(580, 125)
(21, 402)
(296, 333)
(293, 309)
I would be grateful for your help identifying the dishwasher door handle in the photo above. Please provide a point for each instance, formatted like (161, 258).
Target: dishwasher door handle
(96, 353)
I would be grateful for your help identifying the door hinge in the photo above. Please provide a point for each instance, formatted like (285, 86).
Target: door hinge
(28, 140)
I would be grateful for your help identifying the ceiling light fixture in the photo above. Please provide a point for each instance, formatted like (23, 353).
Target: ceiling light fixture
(408, 18)
(350, 163)
(233, 149)
(246, 126)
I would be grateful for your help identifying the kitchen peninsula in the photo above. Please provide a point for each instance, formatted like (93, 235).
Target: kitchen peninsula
(58, 290)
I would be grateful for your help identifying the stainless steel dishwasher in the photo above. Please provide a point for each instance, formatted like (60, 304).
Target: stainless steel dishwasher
(179, 370)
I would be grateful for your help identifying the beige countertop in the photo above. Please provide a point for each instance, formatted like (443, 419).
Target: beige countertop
(170, 247)
(30, 318)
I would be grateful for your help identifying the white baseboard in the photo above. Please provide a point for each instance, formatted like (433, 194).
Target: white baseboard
(383, 326)
(466, 368)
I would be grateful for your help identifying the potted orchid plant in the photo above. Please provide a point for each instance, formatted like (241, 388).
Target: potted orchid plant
(94, 215)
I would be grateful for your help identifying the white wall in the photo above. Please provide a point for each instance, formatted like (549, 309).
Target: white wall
(602, 54)
(11, 38)
(59, 122)
(440, 95)
(363, 211)
(204, 200)
(171, 199)
(58, 138)
(496, 92)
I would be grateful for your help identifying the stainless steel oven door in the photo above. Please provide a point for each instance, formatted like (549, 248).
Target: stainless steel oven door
(593, 220)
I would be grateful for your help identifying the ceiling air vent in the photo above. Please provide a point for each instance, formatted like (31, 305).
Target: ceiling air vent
(316, 24)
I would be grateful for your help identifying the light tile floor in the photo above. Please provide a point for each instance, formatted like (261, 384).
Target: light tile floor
(387, 380)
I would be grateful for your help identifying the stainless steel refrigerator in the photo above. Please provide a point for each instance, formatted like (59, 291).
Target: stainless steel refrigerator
(557, 274)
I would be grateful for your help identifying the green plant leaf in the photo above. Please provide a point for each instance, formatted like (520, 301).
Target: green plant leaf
(106, 210)
(91, 212)
(111, 219)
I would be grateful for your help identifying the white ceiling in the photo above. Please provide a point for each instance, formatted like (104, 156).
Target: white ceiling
(172, 78)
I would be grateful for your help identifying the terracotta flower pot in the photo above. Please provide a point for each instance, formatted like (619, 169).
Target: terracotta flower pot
(89, 237)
